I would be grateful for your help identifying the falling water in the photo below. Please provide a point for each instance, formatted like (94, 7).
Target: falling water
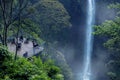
(89, 40)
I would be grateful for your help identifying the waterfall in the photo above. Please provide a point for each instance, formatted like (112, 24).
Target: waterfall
(88, 40)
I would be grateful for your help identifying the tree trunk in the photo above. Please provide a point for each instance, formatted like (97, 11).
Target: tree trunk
(1, 38)
(17, 41)
(19, 24)
(5, 36)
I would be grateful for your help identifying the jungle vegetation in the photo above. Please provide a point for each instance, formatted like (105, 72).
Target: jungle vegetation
(109, 34)
(40, 20)
(50, 22)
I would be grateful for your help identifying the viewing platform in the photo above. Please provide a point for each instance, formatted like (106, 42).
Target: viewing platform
(26, 49)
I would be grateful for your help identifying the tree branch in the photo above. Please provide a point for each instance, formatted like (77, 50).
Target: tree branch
(1, 38)
(11, 11)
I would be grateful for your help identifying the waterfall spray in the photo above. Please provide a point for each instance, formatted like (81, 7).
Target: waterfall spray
(89, 40)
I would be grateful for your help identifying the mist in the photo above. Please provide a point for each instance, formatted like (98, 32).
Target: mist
(74, 51)
(104, 13)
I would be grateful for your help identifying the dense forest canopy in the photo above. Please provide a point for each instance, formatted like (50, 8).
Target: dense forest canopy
(57, 26)
(45, 16)
(53, 19)
(42, 21)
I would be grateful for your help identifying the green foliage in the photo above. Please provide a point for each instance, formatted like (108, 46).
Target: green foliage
(24, 69)
(4, 54)
(113, 66)
(58, 57)
(53, 19)
(116, 7)
(39, 19)
(112, 75)
(32, 30)
(110, 32)
(43, 20)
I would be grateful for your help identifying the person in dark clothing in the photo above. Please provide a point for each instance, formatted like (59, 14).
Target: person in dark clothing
(21, 38)
(35, 44)
(19, 46)
(25, 54)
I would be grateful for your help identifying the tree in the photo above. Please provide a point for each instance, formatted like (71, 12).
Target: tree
(110, 32)
(6, 16)
(53, 20)
(59, 59)
(13, 12)
(24, 69)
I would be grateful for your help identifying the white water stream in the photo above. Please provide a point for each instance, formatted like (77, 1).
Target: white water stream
(89, 40)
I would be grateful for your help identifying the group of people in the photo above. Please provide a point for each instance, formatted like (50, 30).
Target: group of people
(19, 41)
(35, 45)
(25, 41)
